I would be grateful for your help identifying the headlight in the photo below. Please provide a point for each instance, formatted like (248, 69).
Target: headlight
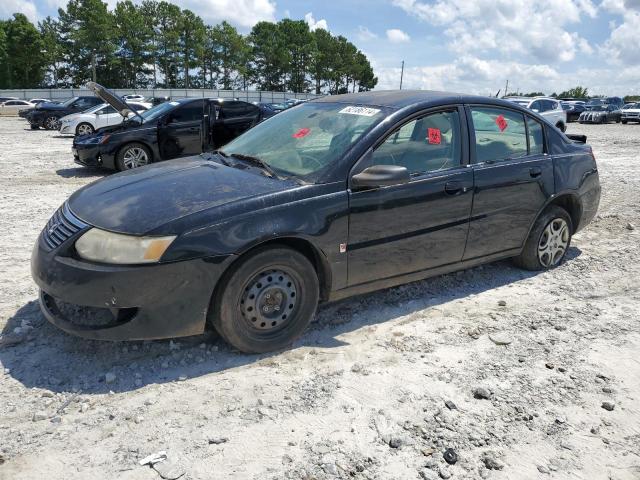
(107, 247)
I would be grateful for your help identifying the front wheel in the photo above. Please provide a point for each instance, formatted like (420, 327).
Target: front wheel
(34, 126)
(84, 129)
(51, 123)
(266, 301)
(548, 241)
(133, 155)
(624, 122)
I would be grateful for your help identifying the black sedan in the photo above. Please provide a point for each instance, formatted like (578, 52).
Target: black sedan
(169, 130)
(48, 114)
(338, 196)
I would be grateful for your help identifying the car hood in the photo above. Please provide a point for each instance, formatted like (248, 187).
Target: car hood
(142, 200)
(111, 98)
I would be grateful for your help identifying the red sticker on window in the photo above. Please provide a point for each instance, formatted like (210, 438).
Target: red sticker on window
(303, 132)
(433, 135)
(502, 123)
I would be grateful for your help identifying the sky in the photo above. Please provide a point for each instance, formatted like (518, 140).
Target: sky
(469, 46)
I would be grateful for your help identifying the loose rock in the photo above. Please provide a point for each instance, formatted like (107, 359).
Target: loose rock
(608, 406)
(481, 393)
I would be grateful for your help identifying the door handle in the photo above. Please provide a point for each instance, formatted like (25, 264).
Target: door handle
(454, 188)
(194, 129)
(535, 172)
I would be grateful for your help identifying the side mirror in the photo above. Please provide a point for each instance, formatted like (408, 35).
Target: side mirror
(380, 176)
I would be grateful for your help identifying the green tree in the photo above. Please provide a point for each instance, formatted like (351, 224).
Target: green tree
(52, 50)
(192, 36)
(167, 28)
(88, 29)
(24, 59)
(4, 64)
(575, 92)
(133, 39)
(230, 52)
(269, 58)
(299, 49)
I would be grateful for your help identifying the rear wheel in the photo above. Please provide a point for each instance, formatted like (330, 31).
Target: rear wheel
(34, 126)
(267, 300)
(84, 129)
(133, 155)
(548, 240)
(51, 123)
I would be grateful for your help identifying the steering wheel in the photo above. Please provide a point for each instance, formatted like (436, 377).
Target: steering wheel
(305, 156)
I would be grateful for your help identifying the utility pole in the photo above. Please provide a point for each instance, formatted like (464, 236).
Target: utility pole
(506, 88)
(401, 74)
(93, 66)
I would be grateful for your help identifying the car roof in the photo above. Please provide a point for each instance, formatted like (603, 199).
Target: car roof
(398, 99)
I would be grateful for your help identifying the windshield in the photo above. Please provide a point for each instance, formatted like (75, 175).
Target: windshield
(157, 111)
(66, 103)
(524, 103)
(306, 139)
(95, 108)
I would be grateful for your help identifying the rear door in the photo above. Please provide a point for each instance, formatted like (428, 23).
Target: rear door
(233, 118)
(513, 178)
(422, 224)
(180, 133)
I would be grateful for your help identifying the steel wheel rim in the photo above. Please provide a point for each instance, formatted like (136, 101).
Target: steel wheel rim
(85, 129)
(135, 157)
(51, 123)
(269, 300)
(553, 242)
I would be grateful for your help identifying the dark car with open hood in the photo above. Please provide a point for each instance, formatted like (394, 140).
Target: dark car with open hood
(48, 114)
(169, 130)
(335, 197)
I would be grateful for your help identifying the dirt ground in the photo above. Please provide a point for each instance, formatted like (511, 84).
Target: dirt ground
(362, 394)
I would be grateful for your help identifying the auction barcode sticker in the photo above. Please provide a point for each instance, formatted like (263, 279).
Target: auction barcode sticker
(364, 111)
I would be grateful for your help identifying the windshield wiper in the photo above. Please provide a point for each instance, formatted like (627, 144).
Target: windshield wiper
(258, 162)
(223, 157)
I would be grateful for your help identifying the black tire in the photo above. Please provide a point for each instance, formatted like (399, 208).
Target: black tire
(562, 127)
(34, 126)
(529, 259)
(51, 123)
(267, 271)
(86, 126)
(121, 162)
(624, 122)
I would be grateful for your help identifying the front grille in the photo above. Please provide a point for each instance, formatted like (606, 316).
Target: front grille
(60, 227)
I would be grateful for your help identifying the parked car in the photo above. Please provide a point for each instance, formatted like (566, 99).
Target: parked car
(172, 129)
(48, 115)
(268, 109)
(601, 114)
(12, 107)
(340, 196)
(158, 100)
(35, 101)
(6, 99)
(549, 108)
(133, 98)
(631, 114)
(573, 110)
(103, 115)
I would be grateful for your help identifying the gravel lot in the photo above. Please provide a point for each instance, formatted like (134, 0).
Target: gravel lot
(362, 394)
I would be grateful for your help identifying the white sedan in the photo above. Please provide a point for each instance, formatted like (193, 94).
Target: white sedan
(12, 107)
(103, 115)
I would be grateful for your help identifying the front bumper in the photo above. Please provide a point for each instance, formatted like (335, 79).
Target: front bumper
(137, 302)
(92, 155)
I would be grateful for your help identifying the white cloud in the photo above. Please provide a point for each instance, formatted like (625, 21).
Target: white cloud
(518, 28)
(27, 7)
(622, 44)
(243, 13)
(364, 34)
(395, 35)
(315, 24)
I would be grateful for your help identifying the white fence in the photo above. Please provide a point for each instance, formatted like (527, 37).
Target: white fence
(174, 93)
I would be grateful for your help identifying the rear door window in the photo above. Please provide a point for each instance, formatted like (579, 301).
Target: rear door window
(500, 134)
(237, 110)
(190, 112)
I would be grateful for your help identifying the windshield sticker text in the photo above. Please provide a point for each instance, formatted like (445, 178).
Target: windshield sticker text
(363, 111)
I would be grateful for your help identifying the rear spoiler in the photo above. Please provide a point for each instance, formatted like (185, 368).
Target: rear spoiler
(577, 138)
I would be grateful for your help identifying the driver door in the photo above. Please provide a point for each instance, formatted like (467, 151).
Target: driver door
(180, 133)
(421, 224)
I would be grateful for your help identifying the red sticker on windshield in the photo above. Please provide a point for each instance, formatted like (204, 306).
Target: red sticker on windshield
(502, 123)
(433, 135)
(303, 132)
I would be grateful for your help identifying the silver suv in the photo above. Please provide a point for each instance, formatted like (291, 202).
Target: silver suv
(549, 108)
